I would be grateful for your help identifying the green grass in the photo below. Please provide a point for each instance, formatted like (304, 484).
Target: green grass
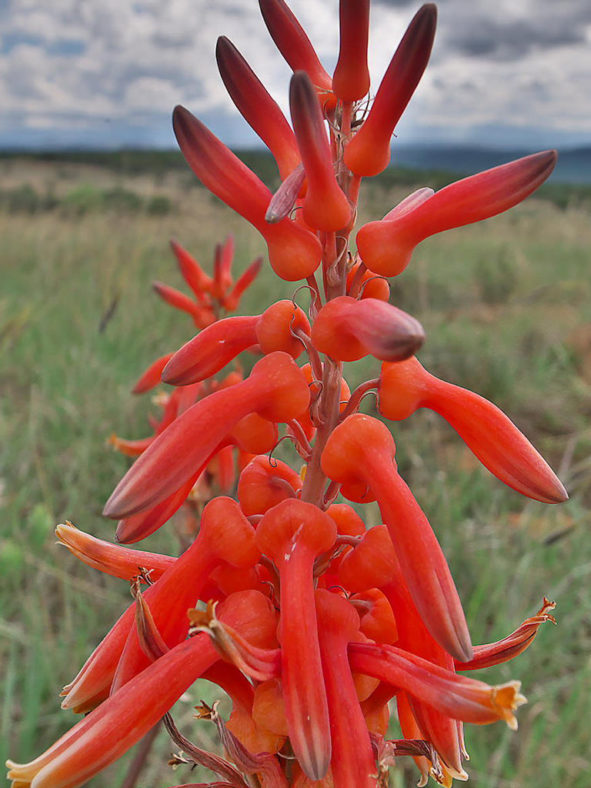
(505, 304)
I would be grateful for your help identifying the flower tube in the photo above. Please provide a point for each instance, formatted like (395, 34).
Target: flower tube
(232, 300)
(295, 46)
(199, 282)
(456, 696)
(168, 599)
(512, 645)
(362, 449)
(112, 559)
(347, 330)
(256, 106)
(294, 252)
(352, 763)
(350, 80)
(151, 377)
(264, 483)
(214, 347)
(225, 536)
(177, 299)
(325, 206)
(293, 534)
(386, 246)
(138, 526)
(276, 390)
(210, 351)
(368, 153)
(485, 429)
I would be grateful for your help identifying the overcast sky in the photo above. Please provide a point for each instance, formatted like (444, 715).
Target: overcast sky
(106, 73)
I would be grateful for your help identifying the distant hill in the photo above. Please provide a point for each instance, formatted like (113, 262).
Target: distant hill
(412, 166)
(574, 165)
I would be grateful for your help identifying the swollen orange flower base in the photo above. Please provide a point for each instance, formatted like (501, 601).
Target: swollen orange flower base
(311, 622)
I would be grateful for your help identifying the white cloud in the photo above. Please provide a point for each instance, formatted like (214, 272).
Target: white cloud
(129, 61)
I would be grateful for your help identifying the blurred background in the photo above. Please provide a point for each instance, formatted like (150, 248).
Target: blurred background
(92, 189)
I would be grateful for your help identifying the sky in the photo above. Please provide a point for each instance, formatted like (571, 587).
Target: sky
(107, 73)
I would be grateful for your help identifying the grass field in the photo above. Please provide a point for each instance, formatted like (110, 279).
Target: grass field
(507, 309)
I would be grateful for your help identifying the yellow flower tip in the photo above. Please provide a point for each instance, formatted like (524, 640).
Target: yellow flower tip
(63, 530)
(20, 774)
(547, 605)
(451, 774)
(505, 699)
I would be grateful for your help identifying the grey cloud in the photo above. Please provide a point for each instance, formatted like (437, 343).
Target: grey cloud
(509, 40)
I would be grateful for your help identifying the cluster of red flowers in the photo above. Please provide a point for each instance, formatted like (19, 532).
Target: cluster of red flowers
(307, 619)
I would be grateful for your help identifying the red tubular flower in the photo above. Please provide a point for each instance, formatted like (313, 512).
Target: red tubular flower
(376, 614)
(213, 348)
(199, 282)
(222, 267)
(386, 247)
(210, 351)
(178, 300)
(110, 558)
(326, 206)
(113, 728)
(260, 111)
(375, 552)
(511, 646)
(130, 448)
(410, 730)
(352, 763)
(168, 599)
(232, 300)
(347, 330)
(350, 80)
(104, 735)
(456, 696)
(225, 536)
(293, 534)
(361, 448)
(368, 153)
(141, 524)
(370, 564)
(276, 390)
(294, 252)
(485, 429)
(151, 377)
(414, 637)
(264, 483)
(295, 46)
